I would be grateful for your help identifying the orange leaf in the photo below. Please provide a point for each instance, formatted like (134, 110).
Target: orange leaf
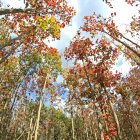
(62, 25)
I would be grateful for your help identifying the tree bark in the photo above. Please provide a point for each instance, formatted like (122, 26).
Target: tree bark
(27, 11)
(30, 128)
(99, 123)
(39, 110)
(116, 120)
(125, 37)
(72, 122)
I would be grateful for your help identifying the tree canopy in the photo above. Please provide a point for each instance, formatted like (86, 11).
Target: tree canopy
(98, 102)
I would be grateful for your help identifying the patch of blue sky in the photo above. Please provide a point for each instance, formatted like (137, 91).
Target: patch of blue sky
(47, 102)
(120, 61)
(62, 91)
(13, 35)
(59, 79)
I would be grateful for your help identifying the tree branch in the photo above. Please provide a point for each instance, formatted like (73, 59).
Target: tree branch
(27, 11)
(127, 46)
(12, 41)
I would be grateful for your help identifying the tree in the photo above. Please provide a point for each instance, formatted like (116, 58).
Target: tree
(96, 24)
(91, 76)
(93, 72)
(34, 24)
(46, 69)
(34, 68)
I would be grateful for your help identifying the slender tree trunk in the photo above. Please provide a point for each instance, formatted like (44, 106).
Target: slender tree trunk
(95, 136)
(39, 110)
(30, 128)
(38, 117)
(116, 120)
(93, 131)
(72, 123)
(33, 130)
(87, 133)
(21, 134)
(99, 123)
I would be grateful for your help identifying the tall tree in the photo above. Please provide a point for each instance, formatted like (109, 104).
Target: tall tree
(96, 24)
(94, 69)
(42, 20)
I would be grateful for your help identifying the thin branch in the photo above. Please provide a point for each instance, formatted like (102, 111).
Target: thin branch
(129, 40)
(133, 59)
(92, 91)
(22, 134)
(12, 41)
(10, 52)
(124, 37)
(27, 11)
(127, 46)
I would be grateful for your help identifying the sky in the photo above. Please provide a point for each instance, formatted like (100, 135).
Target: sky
(124, 12)
(86, 8)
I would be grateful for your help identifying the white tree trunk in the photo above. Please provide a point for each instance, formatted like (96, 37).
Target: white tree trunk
(39, 110)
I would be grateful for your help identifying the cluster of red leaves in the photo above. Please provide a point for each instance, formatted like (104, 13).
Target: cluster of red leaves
(111, 126)
(96, 23)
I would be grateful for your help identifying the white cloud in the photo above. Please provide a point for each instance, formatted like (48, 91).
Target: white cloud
(124, 68)
(124, 12)
(87, 7)
(74, 3)
(59, 103)
(13, 3)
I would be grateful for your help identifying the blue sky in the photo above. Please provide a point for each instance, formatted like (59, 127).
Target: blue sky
(120, 62)
(86, 8)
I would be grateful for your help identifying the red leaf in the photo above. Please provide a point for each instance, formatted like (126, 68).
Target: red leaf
(114, 133)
